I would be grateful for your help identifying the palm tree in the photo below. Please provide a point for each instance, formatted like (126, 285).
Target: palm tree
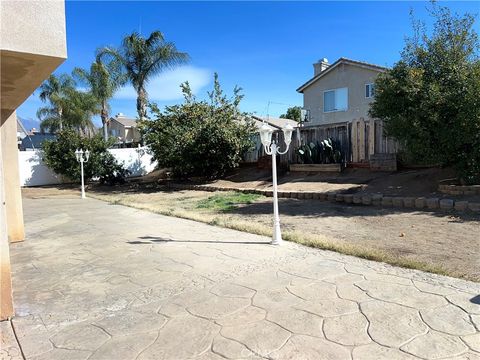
(49, 119)
(142, 58)
(81, 107)
(77, 109)
(103, 80)
(54, 90)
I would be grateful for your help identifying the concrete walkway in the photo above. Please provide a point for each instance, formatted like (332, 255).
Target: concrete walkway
(99, 281)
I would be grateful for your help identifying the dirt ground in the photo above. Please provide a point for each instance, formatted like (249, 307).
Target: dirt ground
(415, 183)
(451, 241)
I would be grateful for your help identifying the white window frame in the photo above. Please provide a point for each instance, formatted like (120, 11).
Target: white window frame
(334, 110)
(370, 95)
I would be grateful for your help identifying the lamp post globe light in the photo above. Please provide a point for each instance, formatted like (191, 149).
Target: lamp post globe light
(273, 149)
(79, 153)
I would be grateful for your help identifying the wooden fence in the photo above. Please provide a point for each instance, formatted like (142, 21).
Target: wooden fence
(367, 138)
(358, 139)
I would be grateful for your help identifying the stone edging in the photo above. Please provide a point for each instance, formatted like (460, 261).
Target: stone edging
(360, 199)
(459, 189)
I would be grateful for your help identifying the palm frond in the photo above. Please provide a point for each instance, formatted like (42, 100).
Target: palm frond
(46, 112)
(142, 58)
(154, 39)
(82, 75)
(165, 57)
(50, 124)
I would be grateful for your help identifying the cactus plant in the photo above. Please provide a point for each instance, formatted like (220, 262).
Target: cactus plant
(327, 151)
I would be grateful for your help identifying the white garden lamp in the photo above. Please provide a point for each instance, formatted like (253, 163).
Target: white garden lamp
(81, 159)
(272, 148)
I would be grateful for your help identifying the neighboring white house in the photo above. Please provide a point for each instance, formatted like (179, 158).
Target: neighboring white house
(339, 92)
(276, 125)
(124, 129)
(274, 122)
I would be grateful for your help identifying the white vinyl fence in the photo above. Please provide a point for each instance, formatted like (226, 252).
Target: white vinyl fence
(33, 172)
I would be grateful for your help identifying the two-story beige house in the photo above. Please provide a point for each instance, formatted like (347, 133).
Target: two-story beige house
(339, 92)
(124, 129)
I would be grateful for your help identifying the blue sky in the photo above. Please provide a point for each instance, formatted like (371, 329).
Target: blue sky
(267, 48)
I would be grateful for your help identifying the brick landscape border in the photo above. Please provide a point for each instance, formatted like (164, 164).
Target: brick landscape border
(459, 189)
(421, 203)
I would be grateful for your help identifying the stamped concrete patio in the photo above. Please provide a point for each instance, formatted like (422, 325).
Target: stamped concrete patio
(99, 281)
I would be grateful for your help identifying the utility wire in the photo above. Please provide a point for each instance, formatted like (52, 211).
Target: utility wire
(276, 103)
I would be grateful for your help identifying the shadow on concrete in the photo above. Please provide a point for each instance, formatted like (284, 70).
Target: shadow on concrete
(475, 300)
(155, 239)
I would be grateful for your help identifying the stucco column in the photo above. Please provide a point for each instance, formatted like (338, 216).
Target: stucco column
(13, 195)
(6, 300)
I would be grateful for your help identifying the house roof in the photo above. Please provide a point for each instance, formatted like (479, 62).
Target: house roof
(125, 121)
(258, 124)
(36, 140)
(276, 123)
(342, 60)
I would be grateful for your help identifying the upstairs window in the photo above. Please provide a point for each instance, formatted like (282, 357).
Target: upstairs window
(335, 100)
(369, 90)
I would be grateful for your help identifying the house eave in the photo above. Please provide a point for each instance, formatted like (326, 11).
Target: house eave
(337, 63)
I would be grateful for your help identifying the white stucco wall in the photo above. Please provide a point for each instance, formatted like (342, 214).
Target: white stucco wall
(34, 27)
(33, 172)
(137, 160)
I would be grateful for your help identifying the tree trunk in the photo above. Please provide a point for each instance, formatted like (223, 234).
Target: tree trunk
(60, 114)
(105, 132)
(142, 103)
(104, 116)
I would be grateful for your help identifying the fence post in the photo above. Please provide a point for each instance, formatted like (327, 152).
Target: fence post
(361, 130)
(348, 156)
(371, 138)
(354, 140)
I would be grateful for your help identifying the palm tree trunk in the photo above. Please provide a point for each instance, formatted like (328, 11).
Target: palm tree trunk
(142, 103)
(105, 131)
(60, 114)
(104, 116)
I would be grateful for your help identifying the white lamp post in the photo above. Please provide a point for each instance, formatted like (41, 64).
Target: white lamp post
(81, 160)
(272, 148)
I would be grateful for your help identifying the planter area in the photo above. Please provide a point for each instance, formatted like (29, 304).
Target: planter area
(316, 167)
(421, 203)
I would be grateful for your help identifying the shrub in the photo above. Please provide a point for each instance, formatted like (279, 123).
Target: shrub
(199, 138)
(429, 99)
(60, 156)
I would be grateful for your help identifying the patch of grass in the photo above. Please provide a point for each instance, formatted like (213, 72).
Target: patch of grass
(227, 201)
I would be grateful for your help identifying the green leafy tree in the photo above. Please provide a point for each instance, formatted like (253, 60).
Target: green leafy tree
(293, 113)
(142, 58)
(59, 155)
(103, 80)
(200, 138)
(430, 99)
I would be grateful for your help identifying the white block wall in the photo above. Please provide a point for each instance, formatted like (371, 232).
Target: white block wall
(137, 160)
(33, 172)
